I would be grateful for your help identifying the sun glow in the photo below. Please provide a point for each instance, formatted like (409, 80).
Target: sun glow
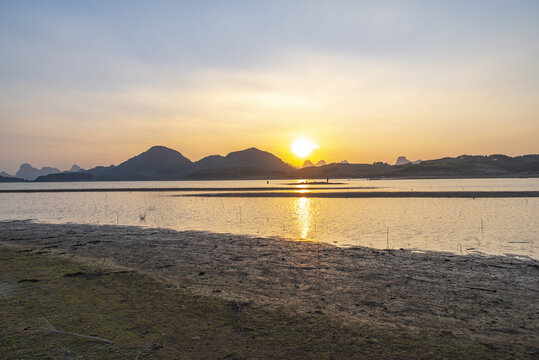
(303, 147)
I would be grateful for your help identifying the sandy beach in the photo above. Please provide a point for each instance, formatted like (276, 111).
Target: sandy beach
(492, 300)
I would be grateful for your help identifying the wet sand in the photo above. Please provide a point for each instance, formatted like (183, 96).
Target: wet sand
(183, 189)
(375, 194)
(492, 300)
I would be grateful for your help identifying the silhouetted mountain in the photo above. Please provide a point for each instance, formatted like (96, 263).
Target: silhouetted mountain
(233, 172)
(462, 166)
(100, 172)
(209, 162)
(157, 163)
(402, 160)
(65, 177)
(472, 165)
(309, 163)
(248, 158)
(75, 168)
(162, 163)
(344, 170)
(28, 172)
(4, 179)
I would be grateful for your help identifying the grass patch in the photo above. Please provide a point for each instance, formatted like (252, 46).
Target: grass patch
(153, 320)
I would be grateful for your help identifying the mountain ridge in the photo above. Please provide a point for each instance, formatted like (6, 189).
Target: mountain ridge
(28, 172)
(158, 162)
(163, 163)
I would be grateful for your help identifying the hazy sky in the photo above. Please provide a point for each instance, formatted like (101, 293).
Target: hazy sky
(96, 82)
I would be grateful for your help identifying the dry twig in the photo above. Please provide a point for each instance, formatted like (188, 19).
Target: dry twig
(52, 329)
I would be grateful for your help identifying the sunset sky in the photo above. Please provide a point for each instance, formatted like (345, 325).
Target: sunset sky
(97, 82)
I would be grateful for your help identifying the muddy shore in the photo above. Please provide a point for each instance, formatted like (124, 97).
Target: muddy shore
(492, 300)
(374, 194)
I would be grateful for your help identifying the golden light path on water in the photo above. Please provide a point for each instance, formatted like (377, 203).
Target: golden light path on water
(303, 210)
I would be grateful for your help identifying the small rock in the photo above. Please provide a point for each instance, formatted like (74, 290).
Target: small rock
(78, 273)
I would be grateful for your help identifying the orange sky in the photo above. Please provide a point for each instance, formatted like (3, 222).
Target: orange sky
(365, 81)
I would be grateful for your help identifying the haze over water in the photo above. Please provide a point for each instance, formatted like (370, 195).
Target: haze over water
(497, 226)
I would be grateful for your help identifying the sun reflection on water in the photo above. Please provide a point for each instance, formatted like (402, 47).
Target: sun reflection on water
(303, 210)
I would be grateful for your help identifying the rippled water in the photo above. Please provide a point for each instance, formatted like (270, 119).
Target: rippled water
(490, 225)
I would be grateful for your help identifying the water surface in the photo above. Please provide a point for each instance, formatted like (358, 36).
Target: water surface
(492, 225)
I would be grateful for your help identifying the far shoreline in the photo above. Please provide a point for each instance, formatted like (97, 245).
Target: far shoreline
(319, 179)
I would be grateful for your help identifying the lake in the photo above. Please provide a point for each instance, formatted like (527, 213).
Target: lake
(498, 226)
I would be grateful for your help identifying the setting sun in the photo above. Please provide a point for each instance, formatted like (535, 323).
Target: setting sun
(303, 147)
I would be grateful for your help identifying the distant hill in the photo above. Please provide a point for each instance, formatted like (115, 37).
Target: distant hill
(344, 170)
(66, 177)
(472, 165)
(461, 166)
(157, 163)
(28, 172)
(75, 168)
(162, 163)
(5, 179)
(248, 163)
(248, 158)
(307, 164)
(402, 160)
(100, 172)
(231, 172)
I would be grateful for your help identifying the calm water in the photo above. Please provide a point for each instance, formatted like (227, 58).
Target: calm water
(492, 225)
